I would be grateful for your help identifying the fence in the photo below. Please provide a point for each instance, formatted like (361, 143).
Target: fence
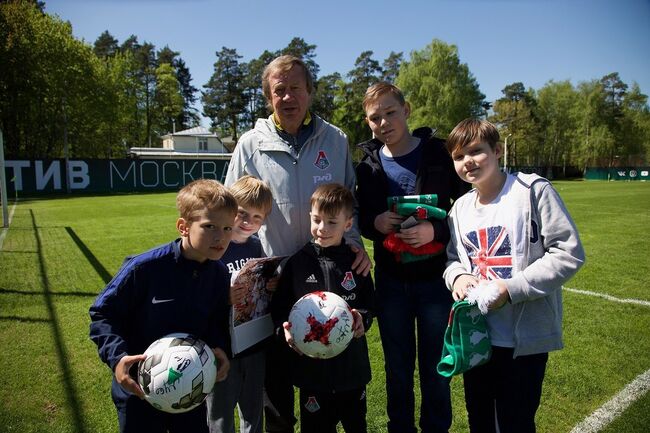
(48, 176)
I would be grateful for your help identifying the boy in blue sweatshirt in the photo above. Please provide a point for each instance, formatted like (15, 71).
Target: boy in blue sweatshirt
(181, 286)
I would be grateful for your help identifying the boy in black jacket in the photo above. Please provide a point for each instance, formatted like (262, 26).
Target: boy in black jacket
(398, 163)
(331, 390)
(181, 286)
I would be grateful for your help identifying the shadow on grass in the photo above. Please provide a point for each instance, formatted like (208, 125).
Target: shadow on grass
(101, 270)
(70, 391)
(36, 293)
(23, 319)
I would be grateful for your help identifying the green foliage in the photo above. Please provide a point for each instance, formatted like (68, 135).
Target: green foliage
(224, 99)
(168, 98)
(349, 114)
(441, 90)
(60, 94)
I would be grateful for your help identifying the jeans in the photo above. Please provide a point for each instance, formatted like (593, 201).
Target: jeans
(400, 306)
(508, 388)
(243, 388)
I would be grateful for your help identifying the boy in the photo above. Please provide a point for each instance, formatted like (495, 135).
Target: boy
(178, 287)
(331, 390)
(245, 382)
(398, 163)
(514, 231)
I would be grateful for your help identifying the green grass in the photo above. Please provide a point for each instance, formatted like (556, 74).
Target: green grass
(58, 254)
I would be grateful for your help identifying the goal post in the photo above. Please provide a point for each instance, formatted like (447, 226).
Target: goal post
(3, 184)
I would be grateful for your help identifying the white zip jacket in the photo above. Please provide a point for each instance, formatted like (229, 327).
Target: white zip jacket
(324, 158)
(546, 252)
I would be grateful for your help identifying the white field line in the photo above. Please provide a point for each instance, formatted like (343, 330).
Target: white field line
(636, 389)
(616, 406)
(609, 297)
(6, 229)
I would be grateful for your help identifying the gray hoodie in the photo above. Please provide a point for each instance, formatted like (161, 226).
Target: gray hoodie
(546, 251)
(324, 158)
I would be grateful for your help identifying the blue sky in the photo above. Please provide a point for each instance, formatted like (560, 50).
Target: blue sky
(501, 41)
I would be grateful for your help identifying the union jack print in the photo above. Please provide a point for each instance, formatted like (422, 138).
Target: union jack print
(490, 251)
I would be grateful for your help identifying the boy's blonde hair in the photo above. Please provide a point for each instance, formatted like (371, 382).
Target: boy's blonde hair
(249, 191)
(204, 194)
(284, 64)
(331, 198)
(472, 130)
(375, 91)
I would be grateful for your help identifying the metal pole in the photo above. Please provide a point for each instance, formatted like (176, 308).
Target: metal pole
(505, 154)
(3, 184)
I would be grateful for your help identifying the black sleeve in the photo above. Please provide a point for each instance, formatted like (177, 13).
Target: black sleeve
(369, 205)
(367, 309)
(282, 299)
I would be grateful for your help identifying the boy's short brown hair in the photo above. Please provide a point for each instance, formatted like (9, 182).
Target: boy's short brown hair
(378, 89)
(472, 130)
(250, 191)
(331, 198)
(204, 194)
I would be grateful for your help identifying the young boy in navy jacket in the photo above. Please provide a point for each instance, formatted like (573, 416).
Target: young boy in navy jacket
(181, 286)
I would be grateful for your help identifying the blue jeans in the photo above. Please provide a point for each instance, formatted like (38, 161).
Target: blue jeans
(400, 305)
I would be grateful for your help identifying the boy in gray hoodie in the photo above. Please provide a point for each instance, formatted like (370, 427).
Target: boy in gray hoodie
(514, 231)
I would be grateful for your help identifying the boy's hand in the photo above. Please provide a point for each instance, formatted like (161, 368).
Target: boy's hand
(461, 284)
(386, 222)
(237, 294)
(504, 296)
(272, 283)
(287, 336)
(223, 364)
(361, 264)
(123, 377)
(357, 324)
(420, 234)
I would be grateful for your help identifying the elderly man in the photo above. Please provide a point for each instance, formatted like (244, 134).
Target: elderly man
(294, 151)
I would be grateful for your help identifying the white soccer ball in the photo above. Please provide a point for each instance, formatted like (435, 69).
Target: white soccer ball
(321, 324)
(178, 373)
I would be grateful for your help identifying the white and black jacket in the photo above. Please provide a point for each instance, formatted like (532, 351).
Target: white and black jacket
(324, 269)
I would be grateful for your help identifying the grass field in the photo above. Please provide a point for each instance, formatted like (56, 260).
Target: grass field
(59, 253)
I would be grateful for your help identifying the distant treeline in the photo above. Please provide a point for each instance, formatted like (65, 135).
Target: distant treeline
(96, 101)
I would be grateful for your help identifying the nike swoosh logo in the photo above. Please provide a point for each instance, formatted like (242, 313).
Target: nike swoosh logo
(160, 301)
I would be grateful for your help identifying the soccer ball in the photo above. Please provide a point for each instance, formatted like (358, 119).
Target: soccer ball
(178, 373)
(321, 324)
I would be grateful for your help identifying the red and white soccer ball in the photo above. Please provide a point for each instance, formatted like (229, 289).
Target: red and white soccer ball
(321, 324)
(178, 373)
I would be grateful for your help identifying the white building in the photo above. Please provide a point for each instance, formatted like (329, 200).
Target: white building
(196, 143)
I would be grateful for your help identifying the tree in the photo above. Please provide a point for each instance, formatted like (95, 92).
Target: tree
(349, 114)
(324, 102)
(514, 114)
(441, 90)
(106, 45)
(257, 107)
(556, 101)
(47, 80)
(224, 99)
(391, 66)
(301, 49)
(188, 116)
(168, 98)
